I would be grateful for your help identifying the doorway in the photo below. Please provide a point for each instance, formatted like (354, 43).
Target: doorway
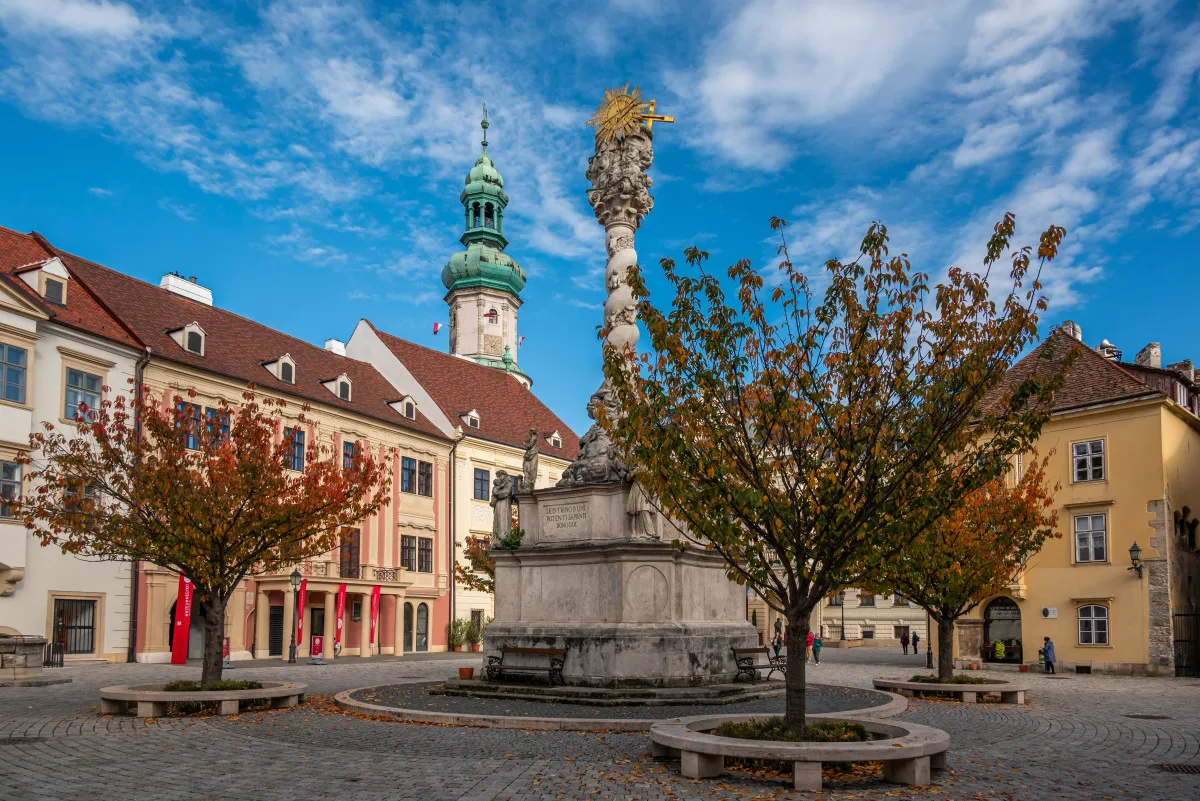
(316, 625)
(275, 631)
(408, 628)
(1002, 623)
(422, 627)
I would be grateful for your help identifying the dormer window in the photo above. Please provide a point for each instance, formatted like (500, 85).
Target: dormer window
(191, 338)
(471, 418)
(555, 440)
(55, 291)
(340, 386)
(282, 368)
(405, 407)
(49, 279)
(410, 410)
(287, 373)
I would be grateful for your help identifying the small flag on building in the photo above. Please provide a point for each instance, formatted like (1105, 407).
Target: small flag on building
(437, 327)
(520, 341)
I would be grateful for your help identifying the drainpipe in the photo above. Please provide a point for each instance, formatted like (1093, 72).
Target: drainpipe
(135, 574)
(453, 538)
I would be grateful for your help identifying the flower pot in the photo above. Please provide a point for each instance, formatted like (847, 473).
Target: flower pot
(973, 666)
(466, 673)
(1023, 668)
(475, 646)
(456, 647)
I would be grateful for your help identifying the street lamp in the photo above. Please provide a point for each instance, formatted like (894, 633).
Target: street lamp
(1135, 558)
(842, 603)
(295, 604)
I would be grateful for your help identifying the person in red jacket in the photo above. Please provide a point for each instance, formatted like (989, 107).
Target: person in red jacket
(808, 648)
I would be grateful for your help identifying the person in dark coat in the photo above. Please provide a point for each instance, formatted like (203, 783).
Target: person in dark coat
(1048, 653)
(904, 642)
(916, 638)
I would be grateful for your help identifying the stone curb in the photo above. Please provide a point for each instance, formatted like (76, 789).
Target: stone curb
(895, 705)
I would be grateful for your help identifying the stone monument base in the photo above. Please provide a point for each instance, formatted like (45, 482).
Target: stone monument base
(630, 610)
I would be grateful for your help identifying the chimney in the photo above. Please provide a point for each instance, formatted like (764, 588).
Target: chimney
(178, 285)
(1185, 368)
(1072, 329)
(1109, 351)
(1149, 356)
(336, 346)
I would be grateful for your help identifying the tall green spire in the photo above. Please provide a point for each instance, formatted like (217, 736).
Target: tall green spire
(484, 262)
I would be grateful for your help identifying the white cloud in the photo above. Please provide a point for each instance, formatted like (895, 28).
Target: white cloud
(99, 191)
(1178, 73)
(72, 17)
(983, 144)
(183, 211)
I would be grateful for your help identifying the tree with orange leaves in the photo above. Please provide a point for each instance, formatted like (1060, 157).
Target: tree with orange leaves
(215, 499)
(975, 552)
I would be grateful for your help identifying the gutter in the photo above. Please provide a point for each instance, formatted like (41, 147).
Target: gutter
(453, 538)
(135, 574)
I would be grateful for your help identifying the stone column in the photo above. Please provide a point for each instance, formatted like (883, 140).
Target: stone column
(289, 621)
(262, 623)
(330, 625)
(364, 626)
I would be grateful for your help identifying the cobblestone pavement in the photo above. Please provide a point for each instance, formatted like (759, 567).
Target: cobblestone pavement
(1075, 740)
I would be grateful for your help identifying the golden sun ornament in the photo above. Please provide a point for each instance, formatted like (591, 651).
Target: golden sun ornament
(622, 113)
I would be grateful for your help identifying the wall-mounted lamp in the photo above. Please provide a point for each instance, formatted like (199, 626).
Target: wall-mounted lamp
(1135, 558)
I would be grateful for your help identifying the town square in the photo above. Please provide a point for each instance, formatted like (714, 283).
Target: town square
(784, 399)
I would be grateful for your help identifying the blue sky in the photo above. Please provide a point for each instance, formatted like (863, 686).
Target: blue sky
(304, 158)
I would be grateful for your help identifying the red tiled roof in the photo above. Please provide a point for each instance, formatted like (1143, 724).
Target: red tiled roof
(507, 410)
(83, 310)
(1092, 379)
(115, 305)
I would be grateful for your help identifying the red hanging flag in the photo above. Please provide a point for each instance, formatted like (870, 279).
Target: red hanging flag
(437, 327)
(183, 621)
(374, 611)
(341, 613)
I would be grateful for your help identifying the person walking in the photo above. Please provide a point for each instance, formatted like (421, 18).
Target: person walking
(777, 643)
(778, 627)
(808, 648)
(1048, 653)
(904, 641)
(916, 638)
(816, 649)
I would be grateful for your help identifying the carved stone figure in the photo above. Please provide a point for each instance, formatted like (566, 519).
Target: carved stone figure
(504, 487)
(529, 465)
(646, 521)
(620, 190)
(598, 461)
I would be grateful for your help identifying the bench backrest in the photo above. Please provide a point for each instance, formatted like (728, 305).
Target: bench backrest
(542, 651)
(762, 649)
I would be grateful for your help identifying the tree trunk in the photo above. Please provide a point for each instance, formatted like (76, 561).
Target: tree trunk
(945, 661)
(797, 661)
(214, 637)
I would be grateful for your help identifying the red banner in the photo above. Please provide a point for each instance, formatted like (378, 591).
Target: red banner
(300, 613)
(183, 621)
(374, 611)
(341, 614)
(318, 645)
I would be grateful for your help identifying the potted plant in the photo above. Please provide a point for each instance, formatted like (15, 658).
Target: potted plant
(473, 635)
(466, 673)
(454, 634)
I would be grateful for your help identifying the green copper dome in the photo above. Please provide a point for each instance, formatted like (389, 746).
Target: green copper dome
(484, 262)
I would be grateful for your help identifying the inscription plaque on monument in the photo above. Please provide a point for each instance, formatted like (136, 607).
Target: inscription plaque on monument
(566, 518)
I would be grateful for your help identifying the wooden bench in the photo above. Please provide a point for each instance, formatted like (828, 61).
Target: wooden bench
(558, 656)
(747, 662)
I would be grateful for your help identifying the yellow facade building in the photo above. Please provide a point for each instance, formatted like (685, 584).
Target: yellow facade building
(1124, 441)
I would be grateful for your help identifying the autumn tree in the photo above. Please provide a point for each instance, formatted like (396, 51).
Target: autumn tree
(213, 498)
(479, 572)
(974, 552)
(806, 439)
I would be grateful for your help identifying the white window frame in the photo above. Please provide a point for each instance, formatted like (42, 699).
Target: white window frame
(1084, 455)
(1097, 634)
(1089, 530)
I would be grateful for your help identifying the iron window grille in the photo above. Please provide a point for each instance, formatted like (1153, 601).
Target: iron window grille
(75, 625)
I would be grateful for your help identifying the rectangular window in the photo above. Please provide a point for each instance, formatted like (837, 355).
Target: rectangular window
(82, 388)
(424, 478)
(1093, 625)
(75, 625)
(1088, 460)
(73, 497)
(867, 633)
(350, 555)
(424, 555)
(900, 600)
(13, 365)
(10, 487)
(866, 598)
(1090, 538)
(408, 553)
(295, 456)
(349, 454)
(408, 474)
(217, 424)
(483, 485)
(836, 599)
(189, 420)
(54, 291)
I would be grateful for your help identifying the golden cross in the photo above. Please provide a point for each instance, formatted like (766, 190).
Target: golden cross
(623, 112)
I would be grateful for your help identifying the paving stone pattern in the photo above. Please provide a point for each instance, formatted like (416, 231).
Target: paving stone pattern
(1074, 741)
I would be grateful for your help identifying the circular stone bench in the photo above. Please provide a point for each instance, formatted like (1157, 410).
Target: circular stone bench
(1009, 692)
(150, 700)
(908, 751)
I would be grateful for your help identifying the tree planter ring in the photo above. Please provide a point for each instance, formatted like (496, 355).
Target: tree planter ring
(909, 751)
(150, 700)
(1009, 692)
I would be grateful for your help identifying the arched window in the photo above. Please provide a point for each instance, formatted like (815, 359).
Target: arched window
(492, 317)
(475, 216)
(489, 216)
(422, 627)
(408, 627)
(1093, 624)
